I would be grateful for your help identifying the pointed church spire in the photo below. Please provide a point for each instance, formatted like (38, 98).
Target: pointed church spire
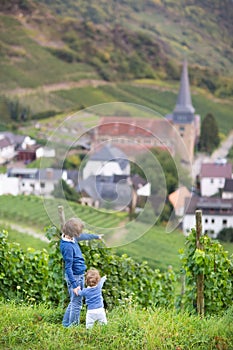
(184, 103)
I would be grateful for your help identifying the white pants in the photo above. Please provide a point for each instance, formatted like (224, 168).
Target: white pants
(95, 315)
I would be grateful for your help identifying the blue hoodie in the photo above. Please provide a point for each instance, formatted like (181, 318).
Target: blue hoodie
(72, 255)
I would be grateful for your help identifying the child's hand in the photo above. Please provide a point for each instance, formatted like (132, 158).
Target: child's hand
(101, 236)
(75, 290)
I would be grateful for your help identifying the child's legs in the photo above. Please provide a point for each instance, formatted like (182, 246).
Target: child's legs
(72, 313)
(90, 320)
(102, 317)
(99, 316)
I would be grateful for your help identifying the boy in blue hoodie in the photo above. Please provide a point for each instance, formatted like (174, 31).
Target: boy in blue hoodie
(74, 267)
(94, 299)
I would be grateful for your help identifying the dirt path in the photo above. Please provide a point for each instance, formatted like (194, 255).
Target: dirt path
(28, 230)
(67, 85)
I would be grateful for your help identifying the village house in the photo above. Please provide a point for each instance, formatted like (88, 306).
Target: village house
(227, 191)
(36, 181)
(213, 176)
(7, 149)
(21, 147)
(9, 185)
(106, 180)
(105, 191)
(217, 213)
(107, 161)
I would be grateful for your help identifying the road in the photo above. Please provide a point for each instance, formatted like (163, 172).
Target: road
(221, 152)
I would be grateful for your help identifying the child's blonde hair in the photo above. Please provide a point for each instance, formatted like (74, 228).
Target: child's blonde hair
(73, 227)
(92, 277)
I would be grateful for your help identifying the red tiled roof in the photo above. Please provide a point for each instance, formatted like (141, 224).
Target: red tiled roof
(135, 127)
(5, 142)
(216, 170)
(228, 187)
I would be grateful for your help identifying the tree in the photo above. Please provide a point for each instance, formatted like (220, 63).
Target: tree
(63, 189)
(209, 138)
(226, 234)
(155, 169)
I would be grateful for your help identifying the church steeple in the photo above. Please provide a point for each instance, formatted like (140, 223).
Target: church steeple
(184, 111)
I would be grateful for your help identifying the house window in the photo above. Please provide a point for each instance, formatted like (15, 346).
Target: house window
(42, 185)
(212, 221)
(206, 231)
(224, 221)
(206, 221)
(211, 181)
(181, 128)
(181, 135)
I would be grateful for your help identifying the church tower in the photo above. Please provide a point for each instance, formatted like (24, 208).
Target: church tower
(184, 120)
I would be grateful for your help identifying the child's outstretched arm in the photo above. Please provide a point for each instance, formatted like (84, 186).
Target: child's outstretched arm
(88, 237)
(102, 280)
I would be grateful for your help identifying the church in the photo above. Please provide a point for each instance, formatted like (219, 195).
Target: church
(184, 119)
(178, 132)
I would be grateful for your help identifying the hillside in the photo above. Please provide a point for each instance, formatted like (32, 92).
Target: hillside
(52, 50)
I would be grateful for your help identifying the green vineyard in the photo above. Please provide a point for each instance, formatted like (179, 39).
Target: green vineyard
(32, 210)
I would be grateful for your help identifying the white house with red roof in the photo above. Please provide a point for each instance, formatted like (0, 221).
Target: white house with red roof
(213, 176)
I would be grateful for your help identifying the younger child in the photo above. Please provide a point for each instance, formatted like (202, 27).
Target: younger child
(94, 298)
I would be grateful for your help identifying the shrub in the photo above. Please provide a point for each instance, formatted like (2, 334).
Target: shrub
(226, 234)
(35, 276)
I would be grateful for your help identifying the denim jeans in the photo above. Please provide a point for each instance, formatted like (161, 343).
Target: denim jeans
(72, 314)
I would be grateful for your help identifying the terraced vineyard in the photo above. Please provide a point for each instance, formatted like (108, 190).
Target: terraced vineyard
(30, 210)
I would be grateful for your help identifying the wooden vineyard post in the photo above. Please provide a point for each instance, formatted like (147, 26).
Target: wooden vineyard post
(61, 215)
(200, 277)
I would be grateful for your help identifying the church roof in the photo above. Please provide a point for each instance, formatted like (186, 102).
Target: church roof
(184, 102)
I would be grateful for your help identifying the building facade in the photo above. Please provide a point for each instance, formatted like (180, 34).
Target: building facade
(217, 214)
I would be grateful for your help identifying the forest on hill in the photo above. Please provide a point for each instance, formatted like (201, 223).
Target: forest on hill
(47, 47)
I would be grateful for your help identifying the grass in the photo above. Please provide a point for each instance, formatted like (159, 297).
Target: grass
(158, 248)
(34, 211)
(23, 239)
(157, 99)
(39, 328)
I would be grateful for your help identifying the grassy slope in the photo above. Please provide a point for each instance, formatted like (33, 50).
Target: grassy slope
(182, 27)
(160, 100)
(39, 328)
(27, 64)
